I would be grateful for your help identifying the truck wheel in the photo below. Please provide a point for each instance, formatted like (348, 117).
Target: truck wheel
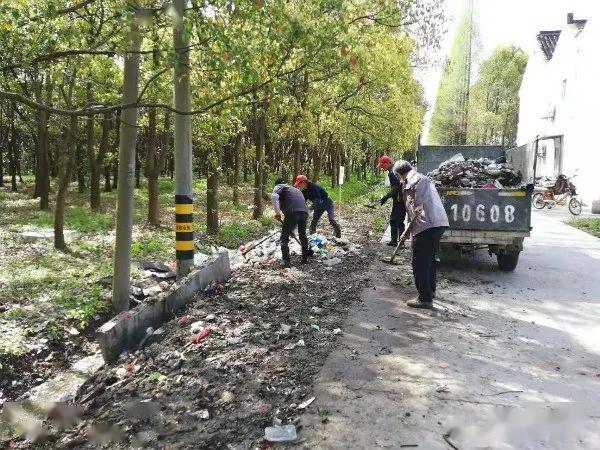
(507, 261)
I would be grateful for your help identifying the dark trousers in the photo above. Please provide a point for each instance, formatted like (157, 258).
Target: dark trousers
(291, 221)
(319, 209)
(424, 247)
(397, 221)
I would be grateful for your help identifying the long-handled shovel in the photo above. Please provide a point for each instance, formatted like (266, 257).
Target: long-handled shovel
(400, 245)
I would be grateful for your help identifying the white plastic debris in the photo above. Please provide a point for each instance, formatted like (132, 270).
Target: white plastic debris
(285, 433)
(305, 404)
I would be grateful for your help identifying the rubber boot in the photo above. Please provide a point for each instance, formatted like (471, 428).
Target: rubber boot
(337, 230)
(285, 255)
(393, 236)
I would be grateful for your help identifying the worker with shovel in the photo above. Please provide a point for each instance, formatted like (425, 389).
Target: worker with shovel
(398, 210)
(291, 210)
(321, 202)
(428, 223)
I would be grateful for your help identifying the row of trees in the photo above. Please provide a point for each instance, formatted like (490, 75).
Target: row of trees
(485, 111)
(286, 86)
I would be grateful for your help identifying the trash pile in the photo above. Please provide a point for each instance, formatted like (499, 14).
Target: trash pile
(475, 173)
(267, 250)
(232, 370)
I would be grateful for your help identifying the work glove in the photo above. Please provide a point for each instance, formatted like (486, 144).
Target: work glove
(383, 200)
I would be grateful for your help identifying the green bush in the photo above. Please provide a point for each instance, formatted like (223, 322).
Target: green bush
(148, 246)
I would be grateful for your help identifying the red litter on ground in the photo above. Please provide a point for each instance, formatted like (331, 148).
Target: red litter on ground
(203, 334)
(183, 320)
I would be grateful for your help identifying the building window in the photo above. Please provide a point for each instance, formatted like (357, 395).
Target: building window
(563, 89)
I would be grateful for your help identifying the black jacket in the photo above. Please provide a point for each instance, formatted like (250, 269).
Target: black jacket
(395, 192)
(315, 193)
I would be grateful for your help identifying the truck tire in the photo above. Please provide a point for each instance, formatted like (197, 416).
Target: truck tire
(507, 261)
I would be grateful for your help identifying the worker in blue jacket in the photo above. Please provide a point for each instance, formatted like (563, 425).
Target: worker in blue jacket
(398, 212)
(321, 202)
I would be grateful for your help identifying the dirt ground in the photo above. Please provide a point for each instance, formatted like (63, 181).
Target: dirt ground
(271, 331)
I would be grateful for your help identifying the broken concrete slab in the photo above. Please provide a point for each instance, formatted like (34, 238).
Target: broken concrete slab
(126, 330)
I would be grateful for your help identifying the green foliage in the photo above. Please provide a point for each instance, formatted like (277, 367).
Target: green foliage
(591, 226)
(82, 306)
(494, 101)
(151, 245)
(449, 122)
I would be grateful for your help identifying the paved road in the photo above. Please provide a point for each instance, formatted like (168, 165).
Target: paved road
(507, 361)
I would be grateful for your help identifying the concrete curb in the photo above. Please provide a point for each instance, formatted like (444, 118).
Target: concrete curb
(126, 330)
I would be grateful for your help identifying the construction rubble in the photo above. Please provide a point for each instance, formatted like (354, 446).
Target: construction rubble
(475, 173)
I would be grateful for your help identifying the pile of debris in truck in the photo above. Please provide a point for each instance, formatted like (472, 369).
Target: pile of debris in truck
(475, 173)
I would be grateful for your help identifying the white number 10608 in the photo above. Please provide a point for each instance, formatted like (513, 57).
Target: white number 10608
(481, 215)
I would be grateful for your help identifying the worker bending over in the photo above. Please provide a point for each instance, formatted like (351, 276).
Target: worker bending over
(289, 203)
(398, 209)
(424, 205)
(321, 202)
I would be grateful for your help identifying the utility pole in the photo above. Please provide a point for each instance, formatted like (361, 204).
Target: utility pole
(184, 193)
(127, 139)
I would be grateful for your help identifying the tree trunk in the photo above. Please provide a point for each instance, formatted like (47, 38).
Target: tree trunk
(212, 197)
(64, 177)
(259, 164)
(115, 151)
(92, 162)
(97, 162)
(236, 168)
(152, 169)
(296, 156)
(128, 135)
(12, 153)
(80, 167)
(107, 185)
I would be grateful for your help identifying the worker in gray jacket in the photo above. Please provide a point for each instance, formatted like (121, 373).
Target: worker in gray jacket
(291, 210)
(424, 205)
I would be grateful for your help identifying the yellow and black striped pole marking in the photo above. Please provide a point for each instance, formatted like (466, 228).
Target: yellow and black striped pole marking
(184, 227)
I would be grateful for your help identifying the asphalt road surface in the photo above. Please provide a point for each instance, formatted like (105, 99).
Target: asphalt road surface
(506, 361)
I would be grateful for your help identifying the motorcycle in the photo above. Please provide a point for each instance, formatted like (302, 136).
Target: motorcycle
(544, 194)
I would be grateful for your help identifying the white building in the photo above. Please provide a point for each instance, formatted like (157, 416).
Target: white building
(560, 98)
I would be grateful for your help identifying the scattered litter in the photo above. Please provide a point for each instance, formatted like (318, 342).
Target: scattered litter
(305, 404)
(184, 320)
(157, 270)
(197, 326)
(198, 338)
(210, 317)
(314, 327)
(73, 331)
(203, 414)
(285, 329)
(337, 331)
(285, 433)
(442, 389)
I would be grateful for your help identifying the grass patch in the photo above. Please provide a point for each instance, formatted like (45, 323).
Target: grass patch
(77, 218)
(591, 226)
(378, 224)
(148, 246)
(82, 306)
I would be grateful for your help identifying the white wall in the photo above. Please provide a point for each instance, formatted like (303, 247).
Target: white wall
(576, 103)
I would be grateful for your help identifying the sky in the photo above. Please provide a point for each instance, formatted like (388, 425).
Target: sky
(503, 22)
